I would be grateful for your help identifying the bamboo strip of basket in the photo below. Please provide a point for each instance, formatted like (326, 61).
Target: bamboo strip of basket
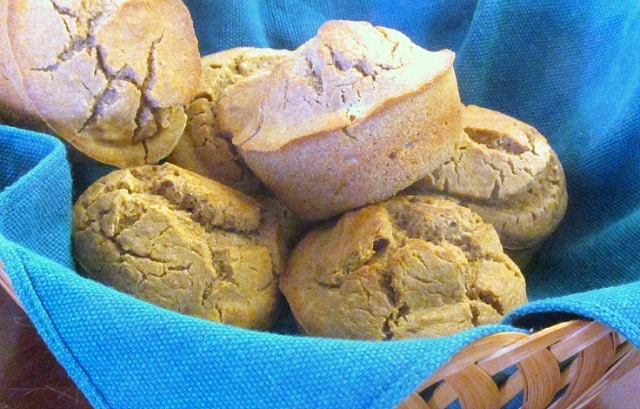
(564, 366)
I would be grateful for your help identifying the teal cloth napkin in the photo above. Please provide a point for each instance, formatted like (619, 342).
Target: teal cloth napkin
(571, 69)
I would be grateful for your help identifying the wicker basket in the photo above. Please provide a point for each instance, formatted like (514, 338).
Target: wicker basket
(564, 366)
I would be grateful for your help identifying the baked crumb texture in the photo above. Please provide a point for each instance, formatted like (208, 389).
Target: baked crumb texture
(204, 148)
(507, 172)
(351, 117)
(183, 242)
(111, 78)
(411, 266)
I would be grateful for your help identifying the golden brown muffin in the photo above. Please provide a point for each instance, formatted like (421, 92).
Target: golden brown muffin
(410, 266)
(204, 148)
(355, 115)
(181, 241)
(112, 78)
(15, 108)
(507, 172)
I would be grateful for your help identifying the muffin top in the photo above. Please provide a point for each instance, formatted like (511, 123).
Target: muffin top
(112, 77)
(183, 242)
(338, 78)
(506, 171)
(203, 147)
(411, 266)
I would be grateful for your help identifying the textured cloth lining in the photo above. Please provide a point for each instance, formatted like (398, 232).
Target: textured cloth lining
(572, 72)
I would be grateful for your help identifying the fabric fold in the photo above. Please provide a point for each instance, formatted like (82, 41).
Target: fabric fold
(568, 71)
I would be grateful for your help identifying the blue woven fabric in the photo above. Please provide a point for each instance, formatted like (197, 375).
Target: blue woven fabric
(571, 69)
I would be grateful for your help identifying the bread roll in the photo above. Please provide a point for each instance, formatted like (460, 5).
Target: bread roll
(204, 148)
(507, 172)
(112, 78)
(15, 107)
(183, 242)
(357, 114)
(407, 267)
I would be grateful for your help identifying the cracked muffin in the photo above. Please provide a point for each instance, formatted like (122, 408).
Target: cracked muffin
(356, 114)
(204, 148)
(183, 242)
(507, 172)
(407, 267)
(15, 107)
(111, 78)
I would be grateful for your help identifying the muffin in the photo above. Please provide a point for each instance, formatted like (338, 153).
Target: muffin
(183, 242)
(111, 78)
(204, 148)
(15, 108)
(507, 172)
(407, 267)
(355, 115)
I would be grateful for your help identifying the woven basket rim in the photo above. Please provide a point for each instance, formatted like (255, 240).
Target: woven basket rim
(565, 365)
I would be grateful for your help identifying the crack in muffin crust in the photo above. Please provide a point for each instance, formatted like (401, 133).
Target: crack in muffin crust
(115, 91)
(410, 266)
(183, 242)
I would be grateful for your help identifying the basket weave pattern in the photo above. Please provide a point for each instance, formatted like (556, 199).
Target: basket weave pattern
(560, 367)
(564, 366)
